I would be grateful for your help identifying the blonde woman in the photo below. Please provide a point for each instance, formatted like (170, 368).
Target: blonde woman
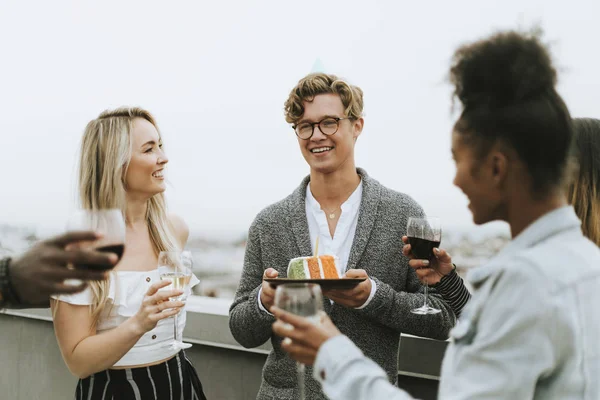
(114, 335)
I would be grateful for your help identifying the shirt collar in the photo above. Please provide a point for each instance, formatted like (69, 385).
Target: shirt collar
(552, 223)
(353, 200)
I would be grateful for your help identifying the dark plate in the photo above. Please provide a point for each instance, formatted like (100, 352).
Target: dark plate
(346, 283)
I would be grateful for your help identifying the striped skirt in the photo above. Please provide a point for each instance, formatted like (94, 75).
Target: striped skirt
(174, 379)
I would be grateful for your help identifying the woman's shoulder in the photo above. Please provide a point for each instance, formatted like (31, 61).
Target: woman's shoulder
(180, 228)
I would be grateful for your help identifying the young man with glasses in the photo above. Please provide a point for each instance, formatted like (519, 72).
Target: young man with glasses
(355, 218)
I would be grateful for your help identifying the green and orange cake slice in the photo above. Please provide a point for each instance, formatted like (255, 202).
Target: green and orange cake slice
(321, 267)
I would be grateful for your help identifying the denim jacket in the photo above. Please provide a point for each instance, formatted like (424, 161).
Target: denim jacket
(530, 331)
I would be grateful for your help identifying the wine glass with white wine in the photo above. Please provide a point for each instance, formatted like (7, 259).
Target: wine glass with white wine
(176, 267)
(305, 300)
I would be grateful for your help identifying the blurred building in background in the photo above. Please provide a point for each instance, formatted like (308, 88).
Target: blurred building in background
(218, 263)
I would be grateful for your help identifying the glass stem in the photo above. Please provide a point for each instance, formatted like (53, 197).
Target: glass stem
(175, 333)
(300, 368)
(426, 304)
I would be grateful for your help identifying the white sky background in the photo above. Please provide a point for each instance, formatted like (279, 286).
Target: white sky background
(215, 75)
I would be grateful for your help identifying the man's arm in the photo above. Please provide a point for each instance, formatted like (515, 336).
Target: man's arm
(250, 325)
(346, 374)
(510, 344)
(391, 308)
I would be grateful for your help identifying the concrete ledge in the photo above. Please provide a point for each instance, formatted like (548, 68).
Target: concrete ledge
(208, 325)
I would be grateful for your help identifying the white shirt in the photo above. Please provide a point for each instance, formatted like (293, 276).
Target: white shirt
(341, 243)
(126, 292)
(530, 330)
(343, 237)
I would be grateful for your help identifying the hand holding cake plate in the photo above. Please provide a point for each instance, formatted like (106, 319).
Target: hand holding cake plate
(323, 270)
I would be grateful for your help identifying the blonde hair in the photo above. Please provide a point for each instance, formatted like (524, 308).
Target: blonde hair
(105, 155)
(584, 191)
(320, 83)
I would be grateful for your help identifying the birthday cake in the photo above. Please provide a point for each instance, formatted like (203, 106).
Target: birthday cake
(321, 267)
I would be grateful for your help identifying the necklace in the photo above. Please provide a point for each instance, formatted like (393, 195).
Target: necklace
(330, 213)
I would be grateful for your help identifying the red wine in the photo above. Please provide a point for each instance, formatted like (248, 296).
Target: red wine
(117, 249)
(422, 248)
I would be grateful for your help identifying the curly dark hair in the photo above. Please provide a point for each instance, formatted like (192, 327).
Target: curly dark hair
(506, 85)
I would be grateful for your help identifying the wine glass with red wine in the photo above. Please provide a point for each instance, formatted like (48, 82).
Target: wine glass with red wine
(109, 222)
(424, 234)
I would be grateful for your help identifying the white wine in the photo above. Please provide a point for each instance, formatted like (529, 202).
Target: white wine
(178, 281)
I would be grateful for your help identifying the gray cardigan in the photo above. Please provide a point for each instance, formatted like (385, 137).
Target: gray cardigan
(280, 232)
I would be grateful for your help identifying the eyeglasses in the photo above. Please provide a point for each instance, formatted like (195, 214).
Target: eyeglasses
(328, 126)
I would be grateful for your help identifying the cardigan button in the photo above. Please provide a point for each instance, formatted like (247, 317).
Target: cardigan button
(153, 336)
(148, 279)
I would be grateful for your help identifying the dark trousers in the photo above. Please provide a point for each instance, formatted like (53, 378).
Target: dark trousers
(174, 379)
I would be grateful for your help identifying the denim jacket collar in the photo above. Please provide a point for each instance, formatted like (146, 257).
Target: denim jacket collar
(552, 223)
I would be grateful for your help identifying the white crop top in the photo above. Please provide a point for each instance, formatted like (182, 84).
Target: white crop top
(127, 290)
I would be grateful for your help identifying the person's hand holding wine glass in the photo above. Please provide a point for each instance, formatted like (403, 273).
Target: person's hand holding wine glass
(304, 300)
(110, 223)
(42, 271)
(429, 270)
(424, 234)
(176, 268)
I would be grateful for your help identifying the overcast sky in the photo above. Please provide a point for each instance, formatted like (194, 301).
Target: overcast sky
(215, 75)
